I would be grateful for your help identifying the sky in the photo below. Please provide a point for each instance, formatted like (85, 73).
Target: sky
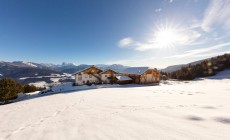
(155, 33)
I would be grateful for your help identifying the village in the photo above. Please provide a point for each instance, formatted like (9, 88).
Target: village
(137, 75)
(93, 77)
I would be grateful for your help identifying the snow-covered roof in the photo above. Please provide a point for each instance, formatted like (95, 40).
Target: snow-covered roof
(86, 69)
(135, 70)
(123, 78)
(107, 70)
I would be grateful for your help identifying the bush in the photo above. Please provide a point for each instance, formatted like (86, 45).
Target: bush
(9, 89)
(30, 88)
(113, 79)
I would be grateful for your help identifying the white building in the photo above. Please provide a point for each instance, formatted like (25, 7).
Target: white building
(108, 76)
(89, 75)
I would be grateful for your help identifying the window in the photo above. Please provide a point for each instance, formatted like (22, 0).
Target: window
(105, 75)
(79, 77)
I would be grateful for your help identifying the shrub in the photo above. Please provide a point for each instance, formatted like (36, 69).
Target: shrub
(30, 88)
(9, 89)
(113, 79)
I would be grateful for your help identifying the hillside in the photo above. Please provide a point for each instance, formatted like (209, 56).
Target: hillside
(204, 68)
(132, 112)
(173, 68)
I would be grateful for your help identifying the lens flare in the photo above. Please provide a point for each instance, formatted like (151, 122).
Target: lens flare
(166, 37)
(169, 35)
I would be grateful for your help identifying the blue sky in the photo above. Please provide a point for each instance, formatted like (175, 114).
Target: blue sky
(154, 33)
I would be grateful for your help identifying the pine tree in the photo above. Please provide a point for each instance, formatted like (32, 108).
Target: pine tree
(9, 89)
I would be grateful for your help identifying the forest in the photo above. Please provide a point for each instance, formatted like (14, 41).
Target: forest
(208, 67)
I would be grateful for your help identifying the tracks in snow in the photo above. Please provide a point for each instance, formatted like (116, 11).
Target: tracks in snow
(44, 119)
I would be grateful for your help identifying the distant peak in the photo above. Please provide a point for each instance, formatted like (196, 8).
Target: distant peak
(29, 64)
(67, 64)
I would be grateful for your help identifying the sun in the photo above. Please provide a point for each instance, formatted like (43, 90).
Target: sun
(166, 37)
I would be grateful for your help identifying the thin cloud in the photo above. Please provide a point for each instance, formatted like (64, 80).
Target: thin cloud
(125, 42)
(181, 37)
(217, 13)
(158, 10)
(199, 52)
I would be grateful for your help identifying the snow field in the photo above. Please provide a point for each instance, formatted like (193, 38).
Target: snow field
(193, 110)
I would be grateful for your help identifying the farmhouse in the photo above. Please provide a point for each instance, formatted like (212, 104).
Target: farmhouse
(139, 75)
(142, 75)
(89, 75)
(108, 76)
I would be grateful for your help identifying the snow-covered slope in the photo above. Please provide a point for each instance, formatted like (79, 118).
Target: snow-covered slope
(172, 68)
(195, 110)
(222, 75)
(29, 64)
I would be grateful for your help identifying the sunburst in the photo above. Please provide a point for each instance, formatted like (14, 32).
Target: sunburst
(166, 36)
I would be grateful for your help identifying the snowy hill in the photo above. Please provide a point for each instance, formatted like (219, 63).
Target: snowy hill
(221, 75)
(197, 109)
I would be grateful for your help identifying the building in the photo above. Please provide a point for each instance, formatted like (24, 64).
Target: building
(124, 80)
(142, 75)
(89, 75)
(107, 76)
(138, 75)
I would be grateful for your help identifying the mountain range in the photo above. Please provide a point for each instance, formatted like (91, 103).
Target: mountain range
(28, 72)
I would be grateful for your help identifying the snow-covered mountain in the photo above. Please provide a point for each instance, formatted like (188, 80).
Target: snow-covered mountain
(115, 67)
(28, 72)
(21, 69)
(25, 63)
(58, 67)
(72, 69)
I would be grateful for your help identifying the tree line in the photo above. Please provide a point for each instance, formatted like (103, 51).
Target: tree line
(9, 89)
(206, 68)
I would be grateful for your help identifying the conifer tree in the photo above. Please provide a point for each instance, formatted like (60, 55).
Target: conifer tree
(9, 89)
